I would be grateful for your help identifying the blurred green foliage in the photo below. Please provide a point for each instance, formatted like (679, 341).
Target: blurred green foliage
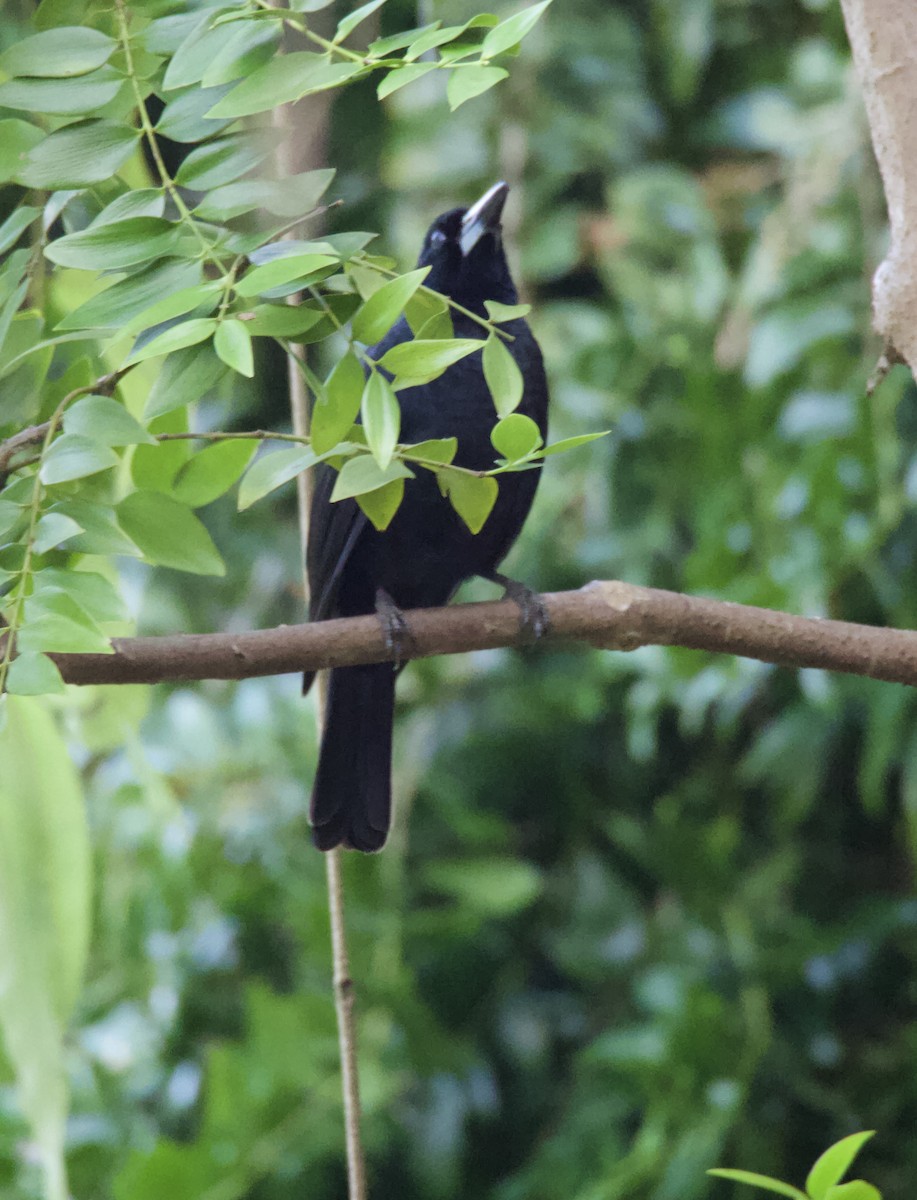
(641, 914)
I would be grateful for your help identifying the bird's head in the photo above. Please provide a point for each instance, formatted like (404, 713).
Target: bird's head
(464, 251)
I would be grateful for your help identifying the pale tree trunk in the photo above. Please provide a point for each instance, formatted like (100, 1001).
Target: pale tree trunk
(883, 36)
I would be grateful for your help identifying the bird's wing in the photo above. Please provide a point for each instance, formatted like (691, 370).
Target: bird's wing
(333, 532)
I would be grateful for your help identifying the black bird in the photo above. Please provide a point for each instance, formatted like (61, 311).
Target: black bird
(427, 550)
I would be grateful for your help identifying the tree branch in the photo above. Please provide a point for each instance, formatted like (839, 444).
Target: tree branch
(609, 615)
(883, 37)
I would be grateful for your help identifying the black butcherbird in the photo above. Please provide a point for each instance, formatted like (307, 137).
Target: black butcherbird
(427, 550)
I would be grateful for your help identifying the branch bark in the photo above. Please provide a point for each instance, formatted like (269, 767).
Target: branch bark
(883, 37)
(609, 615)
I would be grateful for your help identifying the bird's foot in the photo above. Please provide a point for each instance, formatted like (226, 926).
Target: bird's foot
(395, 629)
(534, 621)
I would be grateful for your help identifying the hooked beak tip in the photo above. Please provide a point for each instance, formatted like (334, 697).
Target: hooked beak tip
(483, 216)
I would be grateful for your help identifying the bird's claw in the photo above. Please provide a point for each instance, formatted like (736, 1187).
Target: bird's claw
(395, 629)
(534, 620)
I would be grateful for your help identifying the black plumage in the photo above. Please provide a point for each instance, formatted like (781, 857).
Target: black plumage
(427, 550)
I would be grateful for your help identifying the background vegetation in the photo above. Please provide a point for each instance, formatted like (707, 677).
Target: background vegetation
(640, 914)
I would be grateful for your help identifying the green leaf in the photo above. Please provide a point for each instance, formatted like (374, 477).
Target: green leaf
(178, 337)
(213, 471)
(506, 312)
(509, 33)
(283, 80)
(33, 674)
(66, 51)
(169, 534)
(402, 76)
(333, 415)
(432, 37)
(115, 244)
(52, 530)
(192, 58)
(105, 421)
(188, 118)
(233, 343)
(385, 46)
(362, 474)
(571, 443)
(58, 633)
(472, 496)
(139, 202)
(80, 154)
(440, 450)
(857, 1189)
(73, 457)
(504, 379)
(17, 138)
(291, 197)
(466, 84)
(516, 436)
(348, 24)
(225, 160)
(93, 592)
(280, 271)
(201, 300)
(102, 534)
(381, 418)
(273, 470)
(283, 320)
(119, 305)
(250, 48)
(759, 1181)
(45, 882)
(65, 97)
(420, 361)
(382, 504)
(187, 375)
(19, 219)
(385, 306)
(832, 1166)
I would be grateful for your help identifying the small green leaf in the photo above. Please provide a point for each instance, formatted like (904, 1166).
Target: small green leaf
(465, 85)
(857, 1189)
(52, 530)
(224, 161)
(516, 436)
(504, 379)
(382, 504)
(385, 306)
(440, 450)
(106, 421)
(280, 271)
(74, 457)
(188, 118)
(472, 496)
(187, 375)
(33, 674)
(381, 418)
(498, 313)
(20, 218)
(294, 196)
(283, 320)
(187, 333)
(201, 299)
(333, 416)
(509, 33)
(271, 471)
(139, 202)
(759, 1181)
(169, 534)
(93, 592)
(833, 1165)
(430, 38)
(283, 80)
(233, 343)
(349, 23)
(80, 154)
(115, 244)
(571, 443)
(63, 52)
(63, 97)
(420, 361)
(402, 76)
(212, 471)
(118, 306)
(362, 474)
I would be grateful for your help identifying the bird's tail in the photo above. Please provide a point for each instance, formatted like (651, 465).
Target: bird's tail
(352, 793)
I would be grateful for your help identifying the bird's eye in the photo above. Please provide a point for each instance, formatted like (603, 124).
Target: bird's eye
(437, 237)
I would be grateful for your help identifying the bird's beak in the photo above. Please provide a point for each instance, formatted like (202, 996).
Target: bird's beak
(483, 217)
